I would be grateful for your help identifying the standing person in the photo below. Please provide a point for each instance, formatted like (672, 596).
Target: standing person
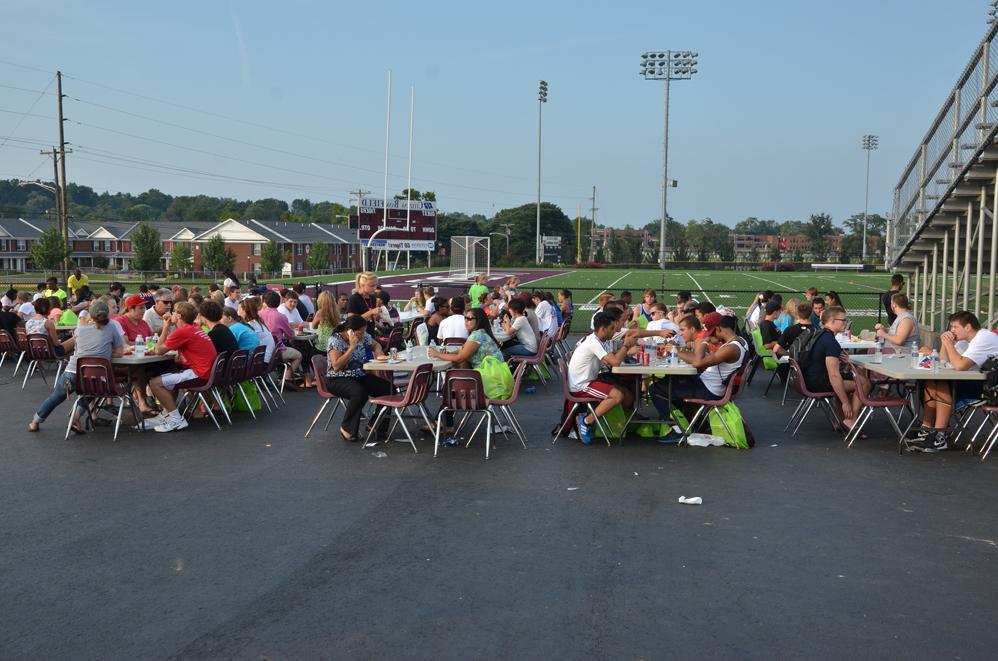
(584, 370)
(522, 342)
(938, 396)
(347, 350)
(305, 299)
(904, 329)
(95, 338)
(245, 337)
(363, 301)
(52, 289)
(284, 335)
(249, 312)
(221, 337)
(897, 283)
(453, 326)
(230, 279)
(132, 322)
(196, 355)
(477, 290)
(76, 281)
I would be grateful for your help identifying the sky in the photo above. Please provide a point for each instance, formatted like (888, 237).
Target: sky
(288, 100)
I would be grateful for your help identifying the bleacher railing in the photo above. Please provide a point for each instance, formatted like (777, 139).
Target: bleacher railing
(966, 124)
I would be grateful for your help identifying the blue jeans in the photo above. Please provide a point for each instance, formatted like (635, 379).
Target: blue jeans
(64, 385)
(518, 350)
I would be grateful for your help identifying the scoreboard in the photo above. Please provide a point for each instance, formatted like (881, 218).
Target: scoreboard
(422, 233)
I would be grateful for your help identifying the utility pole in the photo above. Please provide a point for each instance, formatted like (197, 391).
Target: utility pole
(592, 230)
(63, 209)
(360, 193)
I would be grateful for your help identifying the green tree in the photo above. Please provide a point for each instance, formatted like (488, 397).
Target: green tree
(48, 251)
(792, 227)
(818, 228)
(329, 212)
(266, 209)
(271, 257)
(753, 225)
(217, 257)
(318, 256)
(147, 247)
(181, 258)
(139, 212)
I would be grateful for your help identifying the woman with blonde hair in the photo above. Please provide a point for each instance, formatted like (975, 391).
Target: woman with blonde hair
(363, 302)
(327, 318)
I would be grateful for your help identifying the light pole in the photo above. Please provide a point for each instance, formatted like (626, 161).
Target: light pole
(542, 98)
(870, 142)
(668, 66)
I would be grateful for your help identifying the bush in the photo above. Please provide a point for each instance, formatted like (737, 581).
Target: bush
(590, 265)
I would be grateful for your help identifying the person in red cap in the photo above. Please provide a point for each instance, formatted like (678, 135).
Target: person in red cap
(131, 318)
(716, 368)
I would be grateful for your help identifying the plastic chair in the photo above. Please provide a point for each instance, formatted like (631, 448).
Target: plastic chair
(320, 365)
(534, 362)
(415, 394)
(394, 339)
(463, 392)
(411, 335)
(255, 371)
(736, 385)
(991, 414)
(8, 347)
(577, 402)
(871, 403)
(21, 340)
(762, 356)
(41, 350)
(560, 343)
(96, 379)
(236, 371)
(824, 401)
(198, 387)
(454, 342)
(505, 405)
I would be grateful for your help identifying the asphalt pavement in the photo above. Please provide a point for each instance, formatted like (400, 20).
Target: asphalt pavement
(255, 542)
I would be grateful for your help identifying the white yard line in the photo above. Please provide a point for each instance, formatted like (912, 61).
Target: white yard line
(699, 287)
(608, 287)
(553, 275)
(781, 285)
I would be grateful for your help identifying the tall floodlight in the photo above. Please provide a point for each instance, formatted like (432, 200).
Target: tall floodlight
(542, 98)
(667, 65)
(993, 12)
(870, 142)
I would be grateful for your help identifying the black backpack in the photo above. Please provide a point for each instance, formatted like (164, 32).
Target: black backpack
(801, 348)
(990, 370)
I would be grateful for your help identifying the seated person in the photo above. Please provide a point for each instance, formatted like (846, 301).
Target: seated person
(522, 340)
(716, 368)
(132, 322)
(767, 327)
(822, 366)
(660, 322)
(904, 329)
(565, 303)
(246, 338)
(219, 333)
(196, 356)
(593, 353)
(441, 310)
(981, 344)
(347, 350)
(289, 308)
(480, 343)
(754, 312)
(817, 310)
(389, 313)
(40, 324)
(802, 314)
(453, 325)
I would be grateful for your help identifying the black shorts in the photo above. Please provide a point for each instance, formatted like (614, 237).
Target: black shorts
(683, 387)
(969, 390)
(824, 384)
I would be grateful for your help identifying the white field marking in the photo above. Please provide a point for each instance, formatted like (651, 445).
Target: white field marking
(549, 276)
(386, 276)
(781, 285)
(609, 287)
(699, 287)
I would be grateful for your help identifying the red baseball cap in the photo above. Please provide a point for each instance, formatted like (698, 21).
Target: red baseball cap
(711, 321)
(134, 300)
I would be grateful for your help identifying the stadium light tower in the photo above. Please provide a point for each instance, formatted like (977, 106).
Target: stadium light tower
(667, 65)
(993, 12)
(542, 98)
(870, 142)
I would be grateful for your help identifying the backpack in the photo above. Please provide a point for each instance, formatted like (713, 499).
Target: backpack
(990, 391)
(801, 348)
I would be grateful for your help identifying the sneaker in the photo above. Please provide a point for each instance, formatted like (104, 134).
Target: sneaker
(918, 433)
(935, 441)
(151, 423)
(585, 431)
(172, 424)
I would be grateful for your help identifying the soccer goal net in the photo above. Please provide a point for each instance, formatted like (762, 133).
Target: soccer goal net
(469, 256)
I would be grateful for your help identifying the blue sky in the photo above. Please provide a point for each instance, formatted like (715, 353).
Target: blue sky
(769, 127)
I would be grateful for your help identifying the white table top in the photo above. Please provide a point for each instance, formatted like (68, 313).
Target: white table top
(853, 345)
(657, 368)
(406, 365)
(899, 367)
(406, 316)
(148, 359)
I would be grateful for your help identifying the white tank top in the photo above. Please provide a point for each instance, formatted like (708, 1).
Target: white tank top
(714, 377)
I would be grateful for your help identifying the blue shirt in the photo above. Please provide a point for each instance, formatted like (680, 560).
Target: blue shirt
(245, 336)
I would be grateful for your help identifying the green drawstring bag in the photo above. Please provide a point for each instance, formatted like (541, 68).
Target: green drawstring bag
(496, 378)
(733, 417)
(532, 375)
(613, 421)
(251, 394)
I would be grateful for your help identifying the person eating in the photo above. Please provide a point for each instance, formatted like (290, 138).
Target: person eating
(347, 351)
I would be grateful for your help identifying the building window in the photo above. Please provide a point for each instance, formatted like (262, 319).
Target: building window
(22, 245)
(298, 266)
(300, 249)
(257, 247)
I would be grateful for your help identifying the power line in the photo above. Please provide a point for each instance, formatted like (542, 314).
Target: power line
(23, 115)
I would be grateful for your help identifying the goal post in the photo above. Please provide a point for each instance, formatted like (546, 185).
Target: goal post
(469, 256)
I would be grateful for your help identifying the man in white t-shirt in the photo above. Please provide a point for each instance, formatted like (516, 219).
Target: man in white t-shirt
(453, 326)
(545, 315)
(938, 396)
(584, 368)
(289, 308)
(662, 325)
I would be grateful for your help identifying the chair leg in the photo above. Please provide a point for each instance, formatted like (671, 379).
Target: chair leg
(317, 416)
(398, 414)
(599, 423)
(27, 374)
(374, 424)
(221, 405)
(488, 432)
(786, 389)
(117, 420)
(277, 391)
(436, 433)
(771, 379)
(564, 421)
(693, 423)
(69, 425)
(474, 431)
(793, 416)
(989, 442)
(249, 407)
(857, 426)
(20, 359)
(211, 413)
(803, 416)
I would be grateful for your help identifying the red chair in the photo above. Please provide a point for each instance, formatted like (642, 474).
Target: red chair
(454, 342)
(534, 362)
(8, 347)
(464, 393)
(410, 336)
(394, 340)
(256, 371)
(577, 403)
(236, 371)
(96, 379)
(415, 395)
(21, 339)
(504, 405)
(560, 343)
(320, 366)
(198, 388)
(736, 385)
(268, 374)
(41, 350)
(871, 403)
(824, 401)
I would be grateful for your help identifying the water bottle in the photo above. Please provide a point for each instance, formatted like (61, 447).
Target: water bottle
(673, 356)
(935, 360)
(140, 346)
(878, 352)
(914, 354)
